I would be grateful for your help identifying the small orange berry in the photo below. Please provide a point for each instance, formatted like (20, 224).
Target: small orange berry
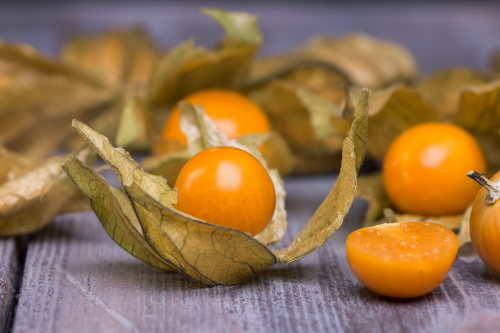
(229, 187)
(234, 114)
(425, 168)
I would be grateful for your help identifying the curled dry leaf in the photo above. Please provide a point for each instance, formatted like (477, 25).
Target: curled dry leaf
(158, 234)
(134, 125)
(118, 56)
(443, 89)
(479, 113)
(371, 189)
(464, 233)
(329, 216)
(393, 110)
(34, 108)
(312, 126)
(452, 222)
(13, 165)
(30, 201)
(186, 68)
(363, 60)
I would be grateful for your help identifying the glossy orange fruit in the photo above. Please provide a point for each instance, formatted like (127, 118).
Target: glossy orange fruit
(234, 114)
(425, 168)
(402, 260)
(485, 227)
(229, 187)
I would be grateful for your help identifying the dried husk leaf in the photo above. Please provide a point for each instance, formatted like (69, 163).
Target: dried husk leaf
(20, 65)
(35, 108)
(115, 211)
(13, 165)
(371, 188)
(310, 124)
(332, 211)
(202, 133)
(443, 89)
(479, 113)
(186, 68)
(464, 233)
(452, 222)
(29, 202)
(364, 60)
(134, 125)
(392, 111)
(118, 56)
(205, 252)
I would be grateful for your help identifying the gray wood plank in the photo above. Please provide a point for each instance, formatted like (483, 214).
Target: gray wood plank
(8, 258)
(76, 279)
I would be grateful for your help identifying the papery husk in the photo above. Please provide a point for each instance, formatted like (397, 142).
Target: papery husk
(30, 201)
(443, 89)
(205, 252)
(13, 165)
(34, 107)
(134, 125)
(329, 216)
(464, 233)
(392, 111)
(310, 124)
(479, 114)
(187, 68)
(118, 56)
(363, 60)
(452, 222)
(371, 188)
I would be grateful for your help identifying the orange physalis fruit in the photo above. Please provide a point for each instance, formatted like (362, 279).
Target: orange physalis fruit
(402, 260)
(424, 170)
(485, 220)
(233, 113)
(229, 187)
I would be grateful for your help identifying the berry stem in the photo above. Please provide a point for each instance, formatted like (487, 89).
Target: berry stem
(492, 187)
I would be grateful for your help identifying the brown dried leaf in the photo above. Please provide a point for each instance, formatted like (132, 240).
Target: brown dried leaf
(187, 68)
(115, 211)
(119, 56)
(310, 124)
(443, 89)
(364, 60)
(479, 113)
(371, 188)
(29, 202)
(134, 125)
(332, 211)
(392, 111)
(13, 165)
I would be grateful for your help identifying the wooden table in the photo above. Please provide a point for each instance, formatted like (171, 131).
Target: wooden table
(70, 277)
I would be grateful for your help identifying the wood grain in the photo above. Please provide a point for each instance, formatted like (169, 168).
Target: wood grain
(76, 279)
(7, 264)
